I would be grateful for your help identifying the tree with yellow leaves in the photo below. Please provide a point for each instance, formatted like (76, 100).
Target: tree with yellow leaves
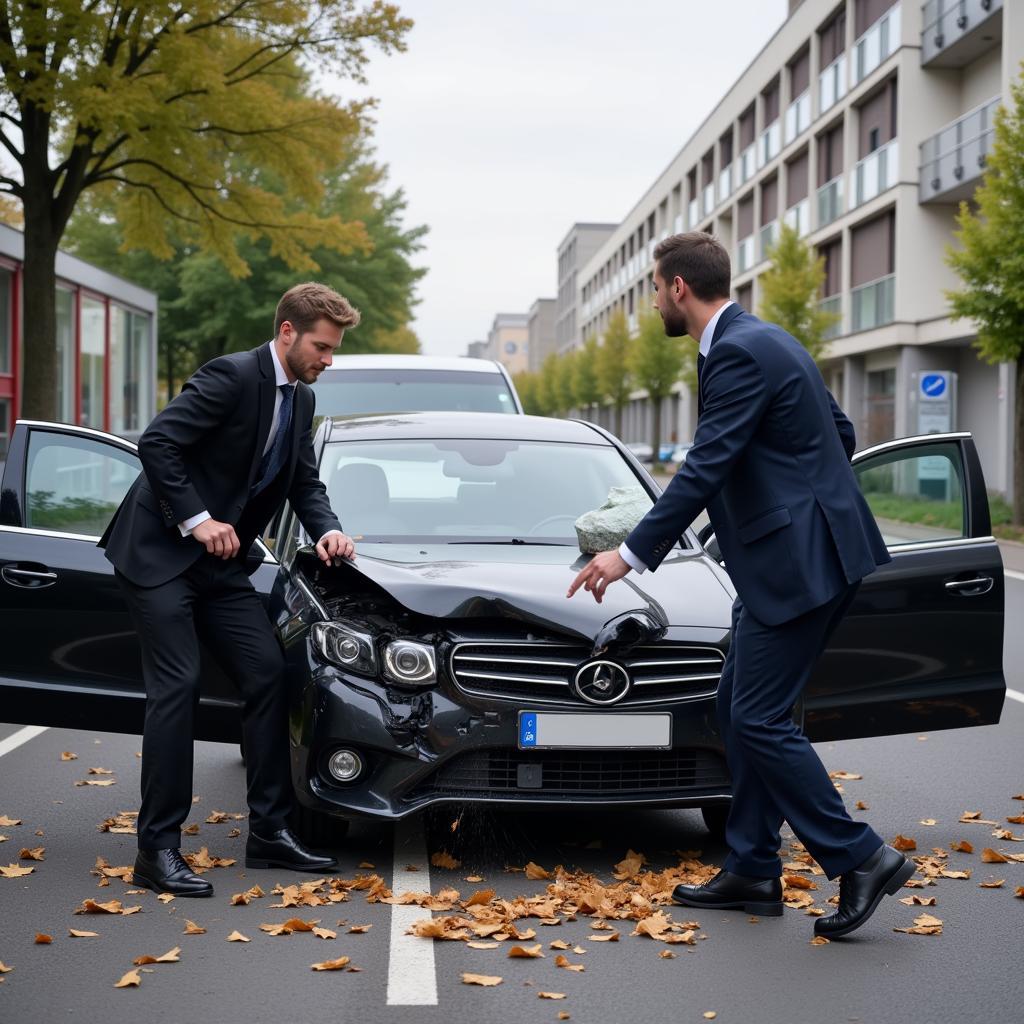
(164, 104)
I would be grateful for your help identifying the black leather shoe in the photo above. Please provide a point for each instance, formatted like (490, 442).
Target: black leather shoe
(862, 889)
(166, 871)
(282, 849)
(727, 891)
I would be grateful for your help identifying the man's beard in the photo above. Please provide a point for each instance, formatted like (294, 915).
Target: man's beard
(302, 372)
(675, 324)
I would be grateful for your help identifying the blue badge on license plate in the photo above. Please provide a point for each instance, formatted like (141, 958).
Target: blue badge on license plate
(527, 729)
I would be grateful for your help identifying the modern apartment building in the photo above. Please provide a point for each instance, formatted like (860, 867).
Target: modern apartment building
(106, 345)
(507, 341)
(863, 124)
(540, 333)
(574, 252)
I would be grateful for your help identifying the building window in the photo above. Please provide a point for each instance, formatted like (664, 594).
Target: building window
(65, 355)
(880, 402)
(93, 361)
(5, 426)
(130, 371)
(6, 322)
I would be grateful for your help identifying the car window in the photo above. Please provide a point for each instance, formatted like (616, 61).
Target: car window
(458, 490)
(357, 392)
(916, 494)
(75, 484)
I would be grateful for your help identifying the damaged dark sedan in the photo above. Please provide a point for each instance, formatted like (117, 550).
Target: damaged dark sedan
(446, 664)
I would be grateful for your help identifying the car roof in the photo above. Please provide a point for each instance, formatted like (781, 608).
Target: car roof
(379, 361)
(399, 426)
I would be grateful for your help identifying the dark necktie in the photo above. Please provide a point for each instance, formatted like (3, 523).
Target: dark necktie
(274, 457)
(700, 369)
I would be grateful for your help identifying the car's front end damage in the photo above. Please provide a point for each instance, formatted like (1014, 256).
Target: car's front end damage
(411, 677)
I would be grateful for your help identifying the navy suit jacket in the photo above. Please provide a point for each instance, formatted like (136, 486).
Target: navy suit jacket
(771, 463)
(202, 452)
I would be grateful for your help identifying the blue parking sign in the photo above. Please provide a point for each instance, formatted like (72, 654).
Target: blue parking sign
(933, 385)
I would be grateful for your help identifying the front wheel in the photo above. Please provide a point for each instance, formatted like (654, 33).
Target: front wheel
(715, 817)
(317, 828)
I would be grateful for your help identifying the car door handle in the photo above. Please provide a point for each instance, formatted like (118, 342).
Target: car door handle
(971, 588)
(34, 578)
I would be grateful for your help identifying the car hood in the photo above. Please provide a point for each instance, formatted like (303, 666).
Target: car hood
(528, 584)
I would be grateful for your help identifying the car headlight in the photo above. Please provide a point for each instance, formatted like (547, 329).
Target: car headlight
(345, 646)
(408, 663)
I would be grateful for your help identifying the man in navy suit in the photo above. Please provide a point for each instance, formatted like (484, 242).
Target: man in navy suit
(771, 464)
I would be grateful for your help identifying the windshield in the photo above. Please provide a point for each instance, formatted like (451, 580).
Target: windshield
(470, 490)
(358, 392)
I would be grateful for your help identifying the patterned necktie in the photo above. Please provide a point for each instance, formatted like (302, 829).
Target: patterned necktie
(274, 457)
(700, 369)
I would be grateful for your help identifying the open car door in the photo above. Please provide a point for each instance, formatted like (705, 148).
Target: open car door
(922, 645)
(71, 655)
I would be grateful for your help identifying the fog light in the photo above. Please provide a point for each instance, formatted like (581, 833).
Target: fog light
(345, 765)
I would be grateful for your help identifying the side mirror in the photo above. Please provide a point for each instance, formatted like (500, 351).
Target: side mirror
(709, 542)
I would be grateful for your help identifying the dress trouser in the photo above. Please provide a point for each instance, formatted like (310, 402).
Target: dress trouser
(776, 773)
(212, 601)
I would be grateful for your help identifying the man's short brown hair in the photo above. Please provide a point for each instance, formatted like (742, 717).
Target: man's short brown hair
(304, 304)
(699, 259)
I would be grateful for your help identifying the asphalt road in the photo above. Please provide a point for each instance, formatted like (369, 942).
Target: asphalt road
(760, 973)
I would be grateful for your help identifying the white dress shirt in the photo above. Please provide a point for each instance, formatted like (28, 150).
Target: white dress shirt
(704, 348)
(280, 378)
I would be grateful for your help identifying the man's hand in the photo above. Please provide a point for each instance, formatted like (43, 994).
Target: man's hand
(602, 569)
(334, 546)
(219, 539)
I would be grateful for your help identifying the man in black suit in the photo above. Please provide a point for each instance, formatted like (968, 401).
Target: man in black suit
(217, 463)
(771, 463)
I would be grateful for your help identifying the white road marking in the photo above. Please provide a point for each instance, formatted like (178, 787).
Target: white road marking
(1013, 573)
(1015, 695)
(412, 978)
(15, 740)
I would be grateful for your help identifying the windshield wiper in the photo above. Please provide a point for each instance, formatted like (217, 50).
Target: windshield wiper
(516, 540)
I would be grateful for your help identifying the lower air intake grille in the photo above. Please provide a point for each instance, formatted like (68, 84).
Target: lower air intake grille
(575, 773)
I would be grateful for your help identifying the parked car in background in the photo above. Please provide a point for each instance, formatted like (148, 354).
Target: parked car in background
(359, 385)
(445, 665)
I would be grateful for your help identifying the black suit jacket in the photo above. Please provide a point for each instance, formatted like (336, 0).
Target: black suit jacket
(201, 453)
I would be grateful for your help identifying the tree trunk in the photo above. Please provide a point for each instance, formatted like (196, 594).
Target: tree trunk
(39, 319)
(1018, 446)
(655, 431)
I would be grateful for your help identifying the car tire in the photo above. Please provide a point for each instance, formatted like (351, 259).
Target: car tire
(715, 817)
(318, 829)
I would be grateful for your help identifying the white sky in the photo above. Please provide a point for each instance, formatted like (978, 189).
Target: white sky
(507, 122)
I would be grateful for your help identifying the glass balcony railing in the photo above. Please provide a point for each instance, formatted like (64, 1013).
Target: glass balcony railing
(830, 201)
(956, 157)
(876, 173)
(747, 167)
(879, 42)
(745, 254)
(798, 116)
(833, 304)
(692, 215)
(766, 239)
(798, 217)
(872, 304)
(725, 183)
(708, 198)
(768, 144)
(957, 31)
(832, 84)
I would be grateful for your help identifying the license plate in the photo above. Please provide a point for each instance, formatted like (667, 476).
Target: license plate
(543, 730)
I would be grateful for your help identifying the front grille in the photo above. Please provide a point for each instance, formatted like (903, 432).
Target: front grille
(512, 773)
(542, 672)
